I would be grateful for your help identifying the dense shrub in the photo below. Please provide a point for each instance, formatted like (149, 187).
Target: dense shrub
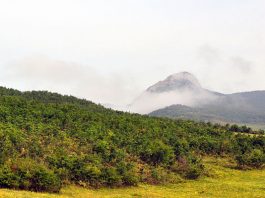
(181, 147)
(158, 153)
(8, 179)
(129, 174)
(29, 175)
(188, 166)
(194, 171)
(111, 176)
(47, 140)
(254, 158)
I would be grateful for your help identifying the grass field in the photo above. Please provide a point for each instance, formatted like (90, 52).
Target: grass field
(223, 182)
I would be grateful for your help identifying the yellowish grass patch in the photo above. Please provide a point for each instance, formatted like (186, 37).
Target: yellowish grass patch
(224, 182)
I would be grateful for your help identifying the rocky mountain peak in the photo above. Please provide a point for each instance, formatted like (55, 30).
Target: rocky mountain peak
(178, 81)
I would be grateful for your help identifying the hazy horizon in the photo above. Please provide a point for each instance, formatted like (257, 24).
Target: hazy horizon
(111, 51)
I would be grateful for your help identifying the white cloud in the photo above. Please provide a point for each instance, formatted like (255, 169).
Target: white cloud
(111, 50)
(43, 73)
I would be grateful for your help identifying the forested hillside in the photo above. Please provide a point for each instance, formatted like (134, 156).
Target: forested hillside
(48, 140)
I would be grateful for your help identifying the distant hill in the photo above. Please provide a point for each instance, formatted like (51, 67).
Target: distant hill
(181, 96)
(245, 108)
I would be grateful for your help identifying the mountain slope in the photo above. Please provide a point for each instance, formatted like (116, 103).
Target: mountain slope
(213, 113)
(245, 108)
(47, 140)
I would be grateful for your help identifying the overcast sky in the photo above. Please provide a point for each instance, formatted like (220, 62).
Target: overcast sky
(109, 51)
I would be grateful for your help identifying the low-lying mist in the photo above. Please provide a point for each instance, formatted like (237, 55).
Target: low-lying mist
(150, 101)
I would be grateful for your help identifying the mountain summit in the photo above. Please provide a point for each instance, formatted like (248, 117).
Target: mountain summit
(180, 88)
(183, 80)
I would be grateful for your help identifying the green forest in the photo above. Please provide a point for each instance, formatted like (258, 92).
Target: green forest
(48, 140)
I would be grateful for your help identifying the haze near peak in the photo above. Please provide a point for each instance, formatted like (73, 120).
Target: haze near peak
(179, 88)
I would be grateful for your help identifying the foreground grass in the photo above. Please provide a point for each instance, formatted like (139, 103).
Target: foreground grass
(223, 182)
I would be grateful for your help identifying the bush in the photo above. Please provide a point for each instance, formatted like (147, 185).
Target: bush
(158, 153)
(254, 158)
(194, 171)
(130, 179)
(189, 167)
(29, 175)
(89, 174)
(111, 177)
(181, 147)
(129, 173)
(8, 179)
